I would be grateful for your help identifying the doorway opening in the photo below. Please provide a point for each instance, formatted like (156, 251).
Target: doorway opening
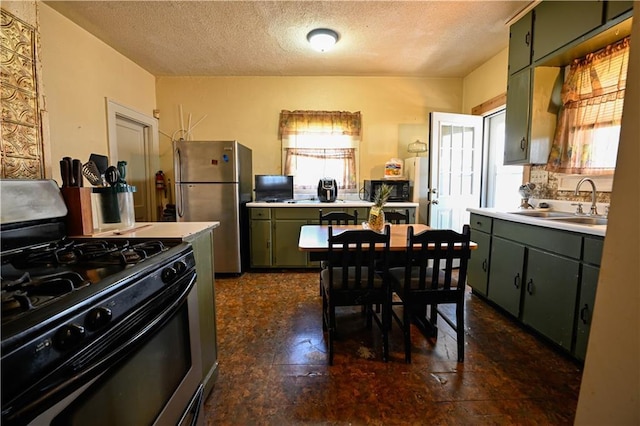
(133, 137)
(502, 182)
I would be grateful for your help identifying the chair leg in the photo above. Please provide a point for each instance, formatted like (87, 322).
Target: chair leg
(460, 331)
(325, 316)
(433, 321)
(406, 331)
(368, 311)
(332, 330)
(386, 326)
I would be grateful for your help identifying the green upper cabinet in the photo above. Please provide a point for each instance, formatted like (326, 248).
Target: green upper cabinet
(531, 117)
(520, 39)
(557, 23)
(516, 147)
(616, 8)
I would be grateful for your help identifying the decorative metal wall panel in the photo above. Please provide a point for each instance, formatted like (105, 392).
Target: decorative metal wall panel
(21, 140)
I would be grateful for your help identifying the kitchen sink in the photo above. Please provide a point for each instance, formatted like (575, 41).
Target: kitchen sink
(545, 214)
(582, 220)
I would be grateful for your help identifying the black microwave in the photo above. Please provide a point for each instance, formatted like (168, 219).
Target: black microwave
(400, 189)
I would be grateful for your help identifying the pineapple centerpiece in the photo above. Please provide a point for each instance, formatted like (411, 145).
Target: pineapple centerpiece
(376, 214)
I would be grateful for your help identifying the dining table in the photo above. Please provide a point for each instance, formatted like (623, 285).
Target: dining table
(314, 238)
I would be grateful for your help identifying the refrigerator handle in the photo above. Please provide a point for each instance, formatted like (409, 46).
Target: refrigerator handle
(178, 166)
(179, 201)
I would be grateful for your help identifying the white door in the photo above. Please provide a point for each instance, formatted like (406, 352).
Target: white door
(133, 137)
(132, 149)
(456, 161)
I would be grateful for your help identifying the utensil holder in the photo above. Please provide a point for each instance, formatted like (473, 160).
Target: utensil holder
(79, 220)
(115, 207)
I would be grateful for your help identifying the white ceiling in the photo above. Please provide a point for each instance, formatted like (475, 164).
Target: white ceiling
(268, 38)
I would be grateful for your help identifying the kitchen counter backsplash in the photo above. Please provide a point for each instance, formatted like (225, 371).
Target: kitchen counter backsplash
(550, 191)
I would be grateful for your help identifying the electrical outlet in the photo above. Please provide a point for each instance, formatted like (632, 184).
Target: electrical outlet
(539, 176)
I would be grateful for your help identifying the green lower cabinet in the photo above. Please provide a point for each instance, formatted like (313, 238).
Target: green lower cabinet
(585, 309)
(286, 234)
(261, 243)
(478, 269)
(550, 293)
(506, 274)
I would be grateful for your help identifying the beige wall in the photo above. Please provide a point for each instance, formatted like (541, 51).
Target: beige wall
(248, 108)
(485, 82)
(79, 72)
(610, 391)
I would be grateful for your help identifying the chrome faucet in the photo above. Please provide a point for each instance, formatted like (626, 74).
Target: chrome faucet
(594, 208)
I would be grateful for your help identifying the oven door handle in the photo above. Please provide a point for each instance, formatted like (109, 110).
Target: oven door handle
(101, 354)
(80, 363)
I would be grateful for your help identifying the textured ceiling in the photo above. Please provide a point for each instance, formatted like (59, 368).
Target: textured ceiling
(268, 38)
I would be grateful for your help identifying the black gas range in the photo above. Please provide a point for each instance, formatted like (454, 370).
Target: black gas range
(70, 307)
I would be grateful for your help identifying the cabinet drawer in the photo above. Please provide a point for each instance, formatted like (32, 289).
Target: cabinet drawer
(480, 223)
(260, 213)
(295, 213)
(593, 250)
(552, 240)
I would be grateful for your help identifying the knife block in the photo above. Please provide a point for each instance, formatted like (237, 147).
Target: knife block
(80, 214)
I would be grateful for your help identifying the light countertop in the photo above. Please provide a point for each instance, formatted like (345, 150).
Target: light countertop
(599, 230)
(319, 204)
(180, 230)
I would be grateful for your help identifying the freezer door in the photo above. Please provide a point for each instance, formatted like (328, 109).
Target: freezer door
(206, 202)
(205, 161)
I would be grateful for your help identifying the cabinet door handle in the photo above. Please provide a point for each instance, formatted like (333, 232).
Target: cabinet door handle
(484, 265)
(527, 38)
(516, 281)
(523, 143)
(530, 286)
(583, 313)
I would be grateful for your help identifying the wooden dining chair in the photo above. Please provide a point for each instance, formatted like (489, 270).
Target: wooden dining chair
(397, 217)
(338, 218)
(419, 286)
(352, 279)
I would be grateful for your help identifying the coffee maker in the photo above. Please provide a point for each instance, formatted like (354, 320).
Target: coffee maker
(327, 190)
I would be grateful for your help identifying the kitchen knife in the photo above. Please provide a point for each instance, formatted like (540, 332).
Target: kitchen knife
(65, 172)
(76, 167)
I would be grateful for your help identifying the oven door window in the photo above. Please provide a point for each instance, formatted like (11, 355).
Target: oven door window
(137, 390)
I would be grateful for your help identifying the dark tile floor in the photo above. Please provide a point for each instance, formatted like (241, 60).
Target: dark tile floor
(273, 366)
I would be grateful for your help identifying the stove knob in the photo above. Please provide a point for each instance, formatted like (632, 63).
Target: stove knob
(68, 336)
(97, 318)
(180, 267)
(168, 274)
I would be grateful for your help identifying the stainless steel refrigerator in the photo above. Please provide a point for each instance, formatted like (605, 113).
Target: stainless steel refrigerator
(213, 182)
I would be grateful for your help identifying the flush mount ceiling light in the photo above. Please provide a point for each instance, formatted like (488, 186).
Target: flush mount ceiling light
(322, 39)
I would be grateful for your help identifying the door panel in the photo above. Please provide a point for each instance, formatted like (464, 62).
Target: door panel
(506, 274)
(131, 138)
(551, 289)
(456, 161)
